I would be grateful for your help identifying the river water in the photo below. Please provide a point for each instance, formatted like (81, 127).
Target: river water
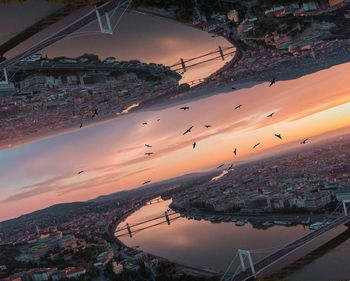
(212, 245)
(140, 36)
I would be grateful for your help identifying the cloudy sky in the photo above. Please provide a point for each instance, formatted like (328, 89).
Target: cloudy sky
(44, 172)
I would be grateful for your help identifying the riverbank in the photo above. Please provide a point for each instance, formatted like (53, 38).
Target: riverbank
(257, 220)
(284, 273)
(180, 268)
(254, 67)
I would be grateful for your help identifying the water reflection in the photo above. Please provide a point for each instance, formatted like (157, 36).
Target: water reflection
(136, 36)
(203, 243)
(112, 153)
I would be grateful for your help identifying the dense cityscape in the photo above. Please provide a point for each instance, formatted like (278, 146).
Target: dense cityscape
(80, 242)
(63, 92)
(307, 181)
(306, 185)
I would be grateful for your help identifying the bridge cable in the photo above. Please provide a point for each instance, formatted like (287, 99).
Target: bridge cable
(72, 35)
(229, 266)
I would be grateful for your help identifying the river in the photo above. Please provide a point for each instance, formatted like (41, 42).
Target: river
(140, 36)
(212, 245)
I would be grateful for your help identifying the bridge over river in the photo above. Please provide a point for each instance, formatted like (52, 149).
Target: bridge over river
(277, 257)
(288, 254)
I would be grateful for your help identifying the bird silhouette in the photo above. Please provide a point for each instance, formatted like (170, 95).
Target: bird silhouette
(218, 167)
(207, 126)
(147, 145)
(270, 115)
(255, 145)
(158, 120)
(188, 130)
(144, 123)
(273, 81)
(194, 145)
(81, 125)
(80, 172)
(304, 141)
(95, 113)
(184, 108)
(278, 136)
(238, 106)
(233, 88)
(235, 151)
(230, 168)
(148, 153)
(146, 182)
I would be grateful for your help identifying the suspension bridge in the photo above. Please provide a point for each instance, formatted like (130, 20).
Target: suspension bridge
(129, 229)
(103, 14)
(99, 13)
(220, 53)
(274, 258)
(280, 257)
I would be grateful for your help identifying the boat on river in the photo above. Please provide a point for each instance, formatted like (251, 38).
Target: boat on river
(240, 223)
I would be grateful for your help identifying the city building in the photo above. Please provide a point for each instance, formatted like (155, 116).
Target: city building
(343, 193)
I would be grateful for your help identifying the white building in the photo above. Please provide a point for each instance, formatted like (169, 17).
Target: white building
(43, 274)
(74, 272)
(117, 268)
(232, 15)
(317, 200)
(343, 194)
(32, 58)
(109, 60)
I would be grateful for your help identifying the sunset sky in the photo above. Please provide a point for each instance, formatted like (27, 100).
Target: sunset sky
(44, 172)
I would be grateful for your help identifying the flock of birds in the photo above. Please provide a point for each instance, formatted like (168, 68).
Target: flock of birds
(189, 130)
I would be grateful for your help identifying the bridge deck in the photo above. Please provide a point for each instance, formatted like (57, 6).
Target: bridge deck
(91, 16)
(274, 257)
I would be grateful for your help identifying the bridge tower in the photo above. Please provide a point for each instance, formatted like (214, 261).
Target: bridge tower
(4, 78)
(104, 27)
(221, 53)
(167, 218)
(345, 201)
(246, 253)
(129, 229)
(183, 65)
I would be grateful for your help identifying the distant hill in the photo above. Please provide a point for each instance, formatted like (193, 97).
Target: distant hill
(151, 188)
(61, 213)
(49, 216)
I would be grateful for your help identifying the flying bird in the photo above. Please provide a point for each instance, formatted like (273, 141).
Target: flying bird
(80, 172)
(304, 141)
(230, 168)
(273, 81)
(218, 167)
(147, 145)
(81, 125)
(270, 115)
(158, 120)
(194, 145)
(188, 130)
(146, 182)
(238, 106)
(235, 151)
(144, 123)
(95, 113)
(278, 136)
(184, 108)
(148, 153)
(256, 145)
(207, 126)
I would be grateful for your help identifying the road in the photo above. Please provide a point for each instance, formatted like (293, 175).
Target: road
(274, 257)
(78, 24)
